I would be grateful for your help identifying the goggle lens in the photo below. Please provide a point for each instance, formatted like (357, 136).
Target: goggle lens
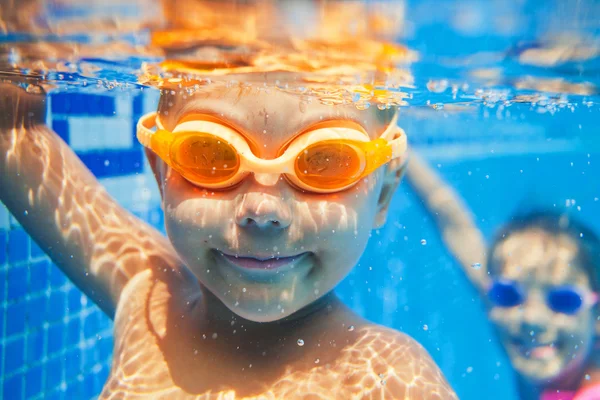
(329, 165)
(564, 300)
(505, 294)
(205, 158)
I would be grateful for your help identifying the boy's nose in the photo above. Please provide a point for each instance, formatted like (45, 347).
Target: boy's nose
(264, 211)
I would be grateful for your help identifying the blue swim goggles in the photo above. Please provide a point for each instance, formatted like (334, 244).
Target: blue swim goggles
(560, 299)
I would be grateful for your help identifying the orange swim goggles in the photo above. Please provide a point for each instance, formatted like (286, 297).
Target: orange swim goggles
(322, 160)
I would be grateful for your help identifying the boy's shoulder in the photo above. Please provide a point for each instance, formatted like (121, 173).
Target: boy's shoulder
(408, 369)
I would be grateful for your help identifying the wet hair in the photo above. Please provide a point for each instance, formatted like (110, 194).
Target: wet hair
(557, 223)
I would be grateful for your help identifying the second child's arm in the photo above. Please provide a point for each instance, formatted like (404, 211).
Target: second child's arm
(453, 219)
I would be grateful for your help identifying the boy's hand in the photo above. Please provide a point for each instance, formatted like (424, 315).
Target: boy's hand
(96, 242)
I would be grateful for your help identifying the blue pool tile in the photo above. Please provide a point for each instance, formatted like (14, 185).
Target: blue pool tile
(3, 285)
(72, 365)
(99, 379)
(74, 301)
(73, 332)
(83, 104)
(35, 312)
(77, 390)
(57, 278)
(107, 105)
(13, 387)
(54, 370)
(56, 338)
(3, 246)
(55, 310)
(137, 106)
(35, 347)
(35, 250)
(88, 383)
(14, 356)
(90, 326)
(34, 381)
(61, 127)
(56, 394)
(105, 347)
(113, 162)
(17, 282)
(18, 246)
(39, 271)
(15, 316)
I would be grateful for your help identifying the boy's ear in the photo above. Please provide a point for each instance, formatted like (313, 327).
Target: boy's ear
(394, 172)
(157, 167)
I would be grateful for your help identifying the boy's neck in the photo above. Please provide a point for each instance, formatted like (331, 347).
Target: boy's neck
(217, 314)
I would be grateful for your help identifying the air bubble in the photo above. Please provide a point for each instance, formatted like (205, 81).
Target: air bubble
(425, 327)
(476, 265)
(300, 342)
(423, 242)
(350, 328)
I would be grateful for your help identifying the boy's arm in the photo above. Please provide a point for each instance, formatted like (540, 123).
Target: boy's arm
(453, 219)
(97, 243)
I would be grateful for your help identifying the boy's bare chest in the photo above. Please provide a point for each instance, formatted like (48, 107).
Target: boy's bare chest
(160, 353)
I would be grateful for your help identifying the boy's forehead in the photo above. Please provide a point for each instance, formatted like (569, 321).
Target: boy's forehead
(265, 112)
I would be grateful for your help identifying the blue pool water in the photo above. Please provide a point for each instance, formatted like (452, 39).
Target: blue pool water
(56, 344)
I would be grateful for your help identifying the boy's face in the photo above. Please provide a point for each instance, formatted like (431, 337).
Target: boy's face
(263, 247)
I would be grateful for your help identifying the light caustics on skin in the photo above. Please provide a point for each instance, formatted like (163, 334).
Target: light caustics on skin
(173, 348)
(66, 210)
(200, 222)
(540, 342)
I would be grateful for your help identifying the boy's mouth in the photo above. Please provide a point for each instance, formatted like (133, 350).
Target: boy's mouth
(260, 263)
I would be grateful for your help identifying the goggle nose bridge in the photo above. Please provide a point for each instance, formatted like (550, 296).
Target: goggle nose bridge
(280, 165)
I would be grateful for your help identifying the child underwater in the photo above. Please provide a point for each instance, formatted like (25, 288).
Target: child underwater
(539, 279)
(268, 202)
(238, 302)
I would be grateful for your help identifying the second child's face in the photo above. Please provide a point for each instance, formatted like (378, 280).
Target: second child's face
(540, 342)
(263, 247)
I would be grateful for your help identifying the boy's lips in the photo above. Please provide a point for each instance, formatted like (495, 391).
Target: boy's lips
(261, 263)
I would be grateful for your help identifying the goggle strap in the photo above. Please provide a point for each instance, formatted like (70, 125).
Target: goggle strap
(399, 144)
(390, 131)
(144, 129)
